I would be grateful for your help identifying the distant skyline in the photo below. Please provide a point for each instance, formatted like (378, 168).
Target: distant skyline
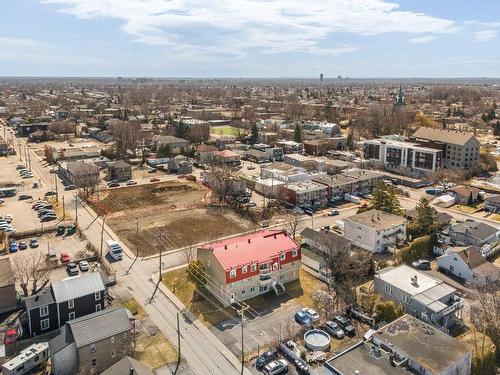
(254, 39)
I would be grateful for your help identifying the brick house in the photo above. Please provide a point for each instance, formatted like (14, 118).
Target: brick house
(243, 267)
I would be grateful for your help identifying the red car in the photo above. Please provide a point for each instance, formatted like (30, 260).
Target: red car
(64, 258)
(154, 179)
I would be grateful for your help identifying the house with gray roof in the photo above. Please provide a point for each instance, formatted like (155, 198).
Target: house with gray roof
(403, 347)
(92, 343)
(63, 301)
(8, 296)
(128, 366)
(484, 237)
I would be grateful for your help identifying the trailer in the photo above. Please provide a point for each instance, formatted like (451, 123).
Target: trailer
(27, 360)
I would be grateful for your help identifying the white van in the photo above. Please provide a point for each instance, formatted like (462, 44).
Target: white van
(115, 250)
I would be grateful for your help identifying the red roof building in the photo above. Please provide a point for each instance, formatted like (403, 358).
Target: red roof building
(246, 266)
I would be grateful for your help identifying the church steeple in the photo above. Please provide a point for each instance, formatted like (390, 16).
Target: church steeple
(400, 98)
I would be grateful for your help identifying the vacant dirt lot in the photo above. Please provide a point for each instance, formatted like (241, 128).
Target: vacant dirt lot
(167, 195)
(176, 208)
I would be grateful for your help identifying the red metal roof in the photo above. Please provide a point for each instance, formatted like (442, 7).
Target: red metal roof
(256, 247)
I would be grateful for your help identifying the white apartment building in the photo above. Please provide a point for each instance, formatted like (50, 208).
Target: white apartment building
(375, 230)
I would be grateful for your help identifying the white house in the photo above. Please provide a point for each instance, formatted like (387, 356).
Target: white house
(375, 230)
(469, 265)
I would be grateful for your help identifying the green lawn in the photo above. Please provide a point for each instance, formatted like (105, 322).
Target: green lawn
(465, 209)
(228, 130)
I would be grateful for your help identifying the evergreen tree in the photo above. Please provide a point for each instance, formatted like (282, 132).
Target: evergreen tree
(426, 221)
(163, 151)
(254, 134)
(297, 134)
(386, 199)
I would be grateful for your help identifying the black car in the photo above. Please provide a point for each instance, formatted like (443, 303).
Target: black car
(70, 187)
(50, 193)
(72, 269)
(23, 197)
(265, 358)
(421, 264)
(113, 184)
(346, 325)
(23, 245)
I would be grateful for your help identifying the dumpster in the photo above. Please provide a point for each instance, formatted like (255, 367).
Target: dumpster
(60, 230)
(71, 230)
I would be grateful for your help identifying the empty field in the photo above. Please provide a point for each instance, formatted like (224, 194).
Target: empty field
(228, 131)
(176, 208)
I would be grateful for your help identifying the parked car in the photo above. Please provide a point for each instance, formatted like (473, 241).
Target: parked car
(23, 245)
(20, 166)
(308, 211)
(152, 171)
(64, 258)
(334, 329)
(70, 187)
(48, 218)
(2, 202)
(84, 266)
(333, 213)
(72, 269)
(24, 197)
(154, 179)
(311, 312)
(34, 243)
(251, 167)
(8, 218)
(131, 182)
(113, 184)
(278, 366)
(265, 358)
(50, 193)
(346, 325)
(251, 204)
(421, 264)
(13, 247)
(27, 175)
(302, 318)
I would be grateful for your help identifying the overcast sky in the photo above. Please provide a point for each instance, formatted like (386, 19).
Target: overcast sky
(250, 38)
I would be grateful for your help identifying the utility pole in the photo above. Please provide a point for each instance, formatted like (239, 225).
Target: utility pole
(57, 192)
(242, 339)
(25, 154)
(178, 345)
(64, 211)
(76, 209)
(136, 247)
(20, 153)
(29, 160)
(102, 235)
(159, 238)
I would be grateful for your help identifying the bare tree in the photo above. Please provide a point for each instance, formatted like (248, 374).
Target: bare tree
(292, 224)
(31, 270)
(49, 154)
(485, 311)
(222, 182)
(348, 266)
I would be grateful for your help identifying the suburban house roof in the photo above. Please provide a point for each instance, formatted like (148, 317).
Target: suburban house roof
(119, 164)
(227, 154)
(475, 229)
(256, 247)
(100, 325)
(206, 148)
(377, 219)
(442, 217)
(169, 139)
(80, 168)
(323, 237)
(465, 191)
(128, 366)
(473, 259)
(442, 135)
(79, 286)
(6, 274)
(62, 340)
(423, 343)
(42, 298)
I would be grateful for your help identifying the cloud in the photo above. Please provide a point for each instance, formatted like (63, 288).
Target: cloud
(232, 27)
(485, 35)
(422, 39)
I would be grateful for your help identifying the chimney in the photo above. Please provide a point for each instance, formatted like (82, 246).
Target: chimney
(225, 247)
(132, 372)
(249, 240)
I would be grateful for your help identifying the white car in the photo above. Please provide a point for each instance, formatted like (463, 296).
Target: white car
(2, 202)
(276, 367)
(8, 218)
(312, 313)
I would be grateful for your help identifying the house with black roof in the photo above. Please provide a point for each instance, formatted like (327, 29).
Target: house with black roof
(63, 301)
